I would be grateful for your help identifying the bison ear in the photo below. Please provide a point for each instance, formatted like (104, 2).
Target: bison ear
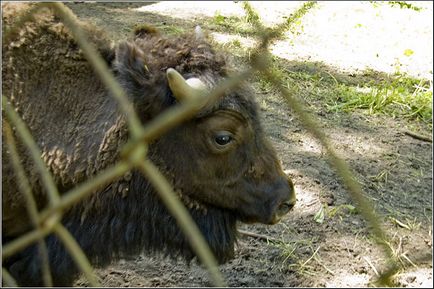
(149, 96)
(130, 64)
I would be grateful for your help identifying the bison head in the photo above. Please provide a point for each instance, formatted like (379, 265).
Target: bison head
(221, 158)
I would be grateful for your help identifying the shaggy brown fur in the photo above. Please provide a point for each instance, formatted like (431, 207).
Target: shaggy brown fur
(80, 131)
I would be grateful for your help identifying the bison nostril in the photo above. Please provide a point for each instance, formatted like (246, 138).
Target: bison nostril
(284, 208)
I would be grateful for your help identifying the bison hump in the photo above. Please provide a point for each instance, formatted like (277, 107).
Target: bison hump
(73, 119)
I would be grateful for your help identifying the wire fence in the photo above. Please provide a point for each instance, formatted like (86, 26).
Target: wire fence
(133, 154)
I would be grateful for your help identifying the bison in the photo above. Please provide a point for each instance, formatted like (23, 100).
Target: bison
(220, 162)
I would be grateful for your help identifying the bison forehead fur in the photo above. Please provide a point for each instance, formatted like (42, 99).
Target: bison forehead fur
(220, 162)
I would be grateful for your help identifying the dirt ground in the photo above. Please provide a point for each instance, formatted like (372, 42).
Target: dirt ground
(394, 168)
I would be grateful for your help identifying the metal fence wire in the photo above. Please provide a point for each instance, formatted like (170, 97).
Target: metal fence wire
(134, 152)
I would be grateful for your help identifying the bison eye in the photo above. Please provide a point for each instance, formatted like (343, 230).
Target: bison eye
(223, 138)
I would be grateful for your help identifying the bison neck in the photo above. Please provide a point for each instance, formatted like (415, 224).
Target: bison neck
(112, 225)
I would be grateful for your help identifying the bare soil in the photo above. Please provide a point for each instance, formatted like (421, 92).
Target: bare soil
(394, 168)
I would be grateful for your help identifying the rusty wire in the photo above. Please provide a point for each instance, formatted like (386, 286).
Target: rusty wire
(133, 154)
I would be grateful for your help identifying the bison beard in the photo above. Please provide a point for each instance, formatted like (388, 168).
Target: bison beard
(123, 231)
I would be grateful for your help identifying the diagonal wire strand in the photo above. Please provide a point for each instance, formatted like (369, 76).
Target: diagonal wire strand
(76, 253)
(185, 221)
(31, 206)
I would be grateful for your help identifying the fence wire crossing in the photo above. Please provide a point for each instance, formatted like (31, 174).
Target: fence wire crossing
(133, 154)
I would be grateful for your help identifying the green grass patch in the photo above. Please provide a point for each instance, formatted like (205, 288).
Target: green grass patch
(232, 25)
(396, 95)
(404, 5)
(397, 4)
(171, 30)
(400, 96)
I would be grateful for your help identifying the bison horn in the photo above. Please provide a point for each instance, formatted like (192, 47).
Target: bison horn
(184, 89)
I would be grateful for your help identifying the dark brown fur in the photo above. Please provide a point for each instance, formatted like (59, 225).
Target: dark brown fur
(80, 130)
